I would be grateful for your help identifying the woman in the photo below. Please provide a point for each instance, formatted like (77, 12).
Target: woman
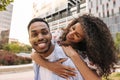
(90, 37)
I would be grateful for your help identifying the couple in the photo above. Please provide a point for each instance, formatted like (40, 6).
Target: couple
(86, 53)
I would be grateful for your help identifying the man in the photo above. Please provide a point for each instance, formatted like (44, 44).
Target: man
(40, 39)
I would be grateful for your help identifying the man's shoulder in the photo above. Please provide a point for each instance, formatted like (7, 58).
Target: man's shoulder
(57, 46)
(59, 51)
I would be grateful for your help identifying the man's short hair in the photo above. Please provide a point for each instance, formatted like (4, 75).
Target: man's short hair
(37, 20)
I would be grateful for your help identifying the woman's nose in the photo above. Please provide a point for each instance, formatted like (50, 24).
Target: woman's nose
(72, 33)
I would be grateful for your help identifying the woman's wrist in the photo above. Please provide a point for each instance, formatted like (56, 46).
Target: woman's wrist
(74, 55)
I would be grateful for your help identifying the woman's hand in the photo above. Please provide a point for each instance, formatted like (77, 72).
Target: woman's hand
(70, 52)
(57, 67)
(60, 69)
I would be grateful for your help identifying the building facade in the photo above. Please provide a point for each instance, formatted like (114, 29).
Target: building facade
(108, 10)
(60, 13)
(5, 22)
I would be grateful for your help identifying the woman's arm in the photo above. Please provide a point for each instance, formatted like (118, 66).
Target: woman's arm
(55, 67)
(86, 72)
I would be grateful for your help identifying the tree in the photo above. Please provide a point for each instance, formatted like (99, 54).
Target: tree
(4, 4)
(117, 42)
(16, 48)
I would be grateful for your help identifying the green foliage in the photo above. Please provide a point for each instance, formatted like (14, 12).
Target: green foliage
(117, 42)
(4, 3)
(12, 47)
(25, 48)
(16, 48)
(113, 76)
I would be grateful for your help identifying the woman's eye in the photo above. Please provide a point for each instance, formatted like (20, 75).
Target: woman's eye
(70, 30)
(73, 28)
(78, 35)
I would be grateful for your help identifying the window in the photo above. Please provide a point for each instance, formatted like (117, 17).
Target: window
(99, 15)
(97, 9)
(89, 10)
(112, 29)
(119, 27)
(103, 8)
(112, 12)
(114, 3)
(119, 9)
(96, 2)
(91, 5)
(108, 13)
(107, 5)
(103, 14)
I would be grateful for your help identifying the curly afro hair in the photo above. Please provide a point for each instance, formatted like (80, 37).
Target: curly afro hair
(98, 42)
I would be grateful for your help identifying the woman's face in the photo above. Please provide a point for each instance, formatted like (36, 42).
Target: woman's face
(75, 34)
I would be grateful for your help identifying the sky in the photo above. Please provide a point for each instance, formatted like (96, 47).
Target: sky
(22, 14)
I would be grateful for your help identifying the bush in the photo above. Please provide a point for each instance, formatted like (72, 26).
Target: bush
(17, 48)
(9, 58)
(113, 76)
(117, 42)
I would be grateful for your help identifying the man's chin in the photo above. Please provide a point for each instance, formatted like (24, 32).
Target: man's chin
(42, 51)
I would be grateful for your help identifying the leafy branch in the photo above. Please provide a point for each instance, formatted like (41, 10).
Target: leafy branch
(4, 4)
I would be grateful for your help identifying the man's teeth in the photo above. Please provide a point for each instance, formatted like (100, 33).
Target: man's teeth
(42, 45)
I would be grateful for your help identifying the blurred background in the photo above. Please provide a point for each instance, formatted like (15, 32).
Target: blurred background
(15, 48)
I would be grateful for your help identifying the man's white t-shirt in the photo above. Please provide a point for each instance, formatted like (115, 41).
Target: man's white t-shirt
(45, 74)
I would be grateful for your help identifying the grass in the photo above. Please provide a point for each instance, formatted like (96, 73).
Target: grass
(113, 76)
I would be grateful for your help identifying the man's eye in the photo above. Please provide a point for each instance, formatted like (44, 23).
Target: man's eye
(44, 32)
(34, 35)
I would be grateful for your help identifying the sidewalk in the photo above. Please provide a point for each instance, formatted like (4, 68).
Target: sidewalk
(27, 67)
(25, 75)
(16, 68)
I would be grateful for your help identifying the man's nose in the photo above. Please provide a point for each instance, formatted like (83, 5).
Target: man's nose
(40, 36)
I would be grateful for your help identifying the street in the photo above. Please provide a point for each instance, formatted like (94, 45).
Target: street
(27, 75)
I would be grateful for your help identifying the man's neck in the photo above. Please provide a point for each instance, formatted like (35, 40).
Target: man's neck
(49, 51)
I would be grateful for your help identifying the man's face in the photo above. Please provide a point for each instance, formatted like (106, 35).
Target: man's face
(40, 37)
